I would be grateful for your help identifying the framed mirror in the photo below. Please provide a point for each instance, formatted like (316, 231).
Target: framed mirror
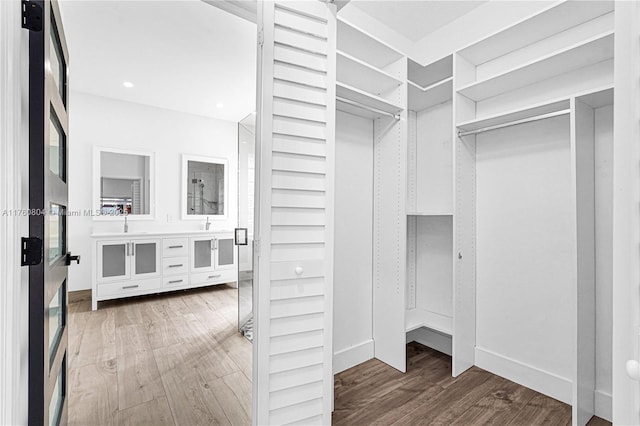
(205, 183)
(123, 184)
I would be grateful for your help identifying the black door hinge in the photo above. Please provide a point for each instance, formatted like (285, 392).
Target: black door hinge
(32, 251)
(31, 16)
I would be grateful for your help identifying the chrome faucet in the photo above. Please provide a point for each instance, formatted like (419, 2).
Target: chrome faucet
(126, 225)
(208, 224)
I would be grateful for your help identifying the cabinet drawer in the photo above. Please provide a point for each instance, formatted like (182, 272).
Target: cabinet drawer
(175, 247)
(175, 265)
(175, 281)
(128, 288)
(213, 277)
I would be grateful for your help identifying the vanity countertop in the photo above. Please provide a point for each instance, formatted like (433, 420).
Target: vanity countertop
(156, 233)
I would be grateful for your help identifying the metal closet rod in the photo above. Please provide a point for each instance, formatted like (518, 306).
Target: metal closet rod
(514, 123)
(367, 107)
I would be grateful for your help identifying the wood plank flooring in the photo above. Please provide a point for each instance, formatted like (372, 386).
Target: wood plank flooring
(171, 359)
(373, 393)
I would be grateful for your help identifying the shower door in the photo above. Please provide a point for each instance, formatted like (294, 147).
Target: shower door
(246, 180)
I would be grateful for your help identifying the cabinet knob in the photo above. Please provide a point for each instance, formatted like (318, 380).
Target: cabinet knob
(633, 369)
(299, 270)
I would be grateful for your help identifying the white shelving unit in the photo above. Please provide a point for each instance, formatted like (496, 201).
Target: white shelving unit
(583, 54)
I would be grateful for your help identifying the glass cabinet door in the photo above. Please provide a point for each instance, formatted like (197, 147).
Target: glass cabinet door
(113, 261)
(225, 253)
(145, 256)
(202, 254)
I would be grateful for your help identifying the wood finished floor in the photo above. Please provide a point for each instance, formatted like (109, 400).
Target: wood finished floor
(172, 359)
(375, 394)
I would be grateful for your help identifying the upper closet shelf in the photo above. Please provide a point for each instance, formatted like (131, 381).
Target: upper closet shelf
(358, 44)
(366, 99)
(422, 98)
(356, 73)
(416, 318)
(553, 20)
(589, 52)
(425, 76)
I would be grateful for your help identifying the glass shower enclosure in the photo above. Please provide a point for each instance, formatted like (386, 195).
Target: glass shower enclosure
(246, 186)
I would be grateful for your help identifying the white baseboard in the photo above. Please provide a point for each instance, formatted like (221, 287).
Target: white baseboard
(352, 356)
(431, 338)
(604, 405)
(541, 381)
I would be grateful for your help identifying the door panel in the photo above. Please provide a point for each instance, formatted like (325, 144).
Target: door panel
(48, 202)
(284, 180)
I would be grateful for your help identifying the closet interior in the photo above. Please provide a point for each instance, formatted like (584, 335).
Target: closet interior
(489, 235)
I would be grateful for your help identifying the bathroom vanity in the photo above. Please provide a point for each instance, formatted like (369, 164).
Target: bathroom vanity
(134, 264)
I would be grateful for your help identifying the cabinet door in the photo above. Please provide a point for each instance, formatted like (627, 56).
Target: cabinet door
(224, 253)
(113, 261)
(145, 258)
(202, 251)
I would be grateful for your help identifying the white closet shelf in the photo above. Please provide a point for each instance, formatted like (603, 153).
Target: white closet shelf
(360, 96)
(515, 115)
(425, 97)
(424, 76)
(368, 48)
(588, 52)
(431, 213)
(356, 73)
(552, 20)
(416, 318)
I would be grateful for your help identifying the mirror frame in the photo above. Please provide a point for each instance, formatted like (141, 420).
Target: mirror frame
(183, 185)
(97, 175)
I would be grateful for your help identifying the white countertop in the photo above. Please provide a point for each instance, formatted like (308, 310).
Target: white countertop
(155, 233)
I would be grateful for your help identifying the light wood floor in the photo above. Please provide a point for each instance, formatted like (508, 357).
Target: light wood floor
(376, 394)
(159, 360)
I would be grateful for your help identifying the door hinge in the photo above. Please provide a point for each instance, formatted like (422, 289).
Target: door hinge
(31, 16)
(32, 251)
(256, 248)
(260, 38)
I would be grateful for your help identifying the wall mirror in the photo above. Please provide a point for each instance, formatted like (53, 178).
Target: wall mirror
(123, 183)
(204, 187)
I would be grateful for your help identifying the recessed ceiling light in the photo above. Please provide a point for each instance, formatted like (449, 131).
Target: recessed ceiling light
(220, 105)
(128, 84)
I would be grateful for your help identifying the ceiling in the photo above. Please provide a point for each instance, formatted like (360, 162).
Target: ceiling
(181, 55)
(415, 19)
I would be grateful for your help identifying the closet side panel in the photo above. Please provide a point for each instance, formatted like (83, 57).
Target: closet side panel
(626, 216)
(583, 165)
(293, 354)
(604, 258)
(353, 274)
(525, 279)
(390, 240)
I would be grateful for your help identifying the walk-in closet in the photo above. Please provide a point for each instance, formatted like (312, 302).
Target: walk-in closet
(474, 203)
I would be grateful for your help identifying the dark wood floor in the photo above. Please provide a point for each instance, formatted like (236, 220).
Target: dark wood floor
(375, 394)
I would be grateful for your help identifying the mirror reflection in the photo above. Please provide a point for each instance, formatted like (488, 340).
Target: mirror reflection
(124, 184)
(205, 188)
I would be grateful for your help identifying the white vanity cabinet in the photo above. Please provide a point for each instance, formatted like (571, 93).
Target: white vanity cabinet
(138, 264)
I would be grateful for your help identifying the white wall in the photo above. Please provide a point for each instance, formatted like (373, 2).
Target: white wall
(104, 122)
(524, 287)
(353, 252)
